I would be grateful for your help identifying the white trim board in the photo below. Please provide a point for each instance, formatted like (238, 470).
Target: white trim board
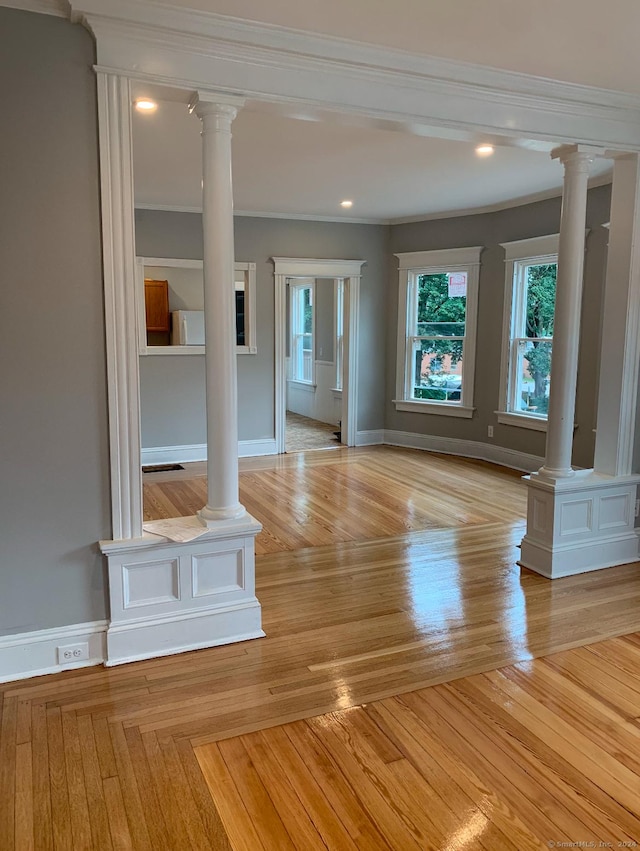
(32, 654)
(465, 448)
(198, 452)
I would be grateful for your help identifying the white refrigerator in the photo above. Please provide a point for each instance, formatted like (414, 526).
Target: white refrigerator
(187, 328)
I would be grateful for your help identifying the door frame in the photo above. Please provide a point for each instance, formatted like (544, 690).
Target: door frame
(300, 267)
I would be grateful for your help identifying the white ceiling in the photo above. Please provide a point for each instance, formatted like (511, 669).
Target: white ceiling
(579, 41)
(295, 167)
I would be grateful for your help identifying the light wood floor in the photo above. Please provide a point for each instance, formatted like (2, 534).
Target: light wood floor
(104, 758)
(322, 498)
(534, 755)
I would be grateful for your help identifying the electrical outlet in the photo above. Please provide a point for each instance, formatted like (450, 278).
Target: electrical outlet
(489, 431)
(73, 653)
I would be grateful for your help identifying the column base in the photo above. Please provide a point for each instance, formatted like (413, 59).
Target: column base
(168, 597)
(579, 524)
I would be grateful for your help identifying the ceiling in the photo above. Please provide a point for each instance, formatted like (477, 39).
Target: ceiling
(578, 41)
(304, 168)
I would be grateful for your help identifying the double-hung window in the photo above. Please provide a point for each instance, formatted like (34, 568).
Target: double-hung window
(302, 331)
(437, 331)
(530, 294)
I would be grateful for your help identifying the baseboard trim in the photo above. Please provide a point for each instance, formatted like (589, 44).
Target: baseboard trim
(33, 654)
(166, 636)
(465, 448)
(198, 452)
(573, 559)
(370, 438)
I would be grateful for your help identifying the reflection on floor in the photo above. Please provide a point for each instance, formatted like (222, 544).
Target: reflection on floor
(541, 754)
(303, 433)
(311, 499)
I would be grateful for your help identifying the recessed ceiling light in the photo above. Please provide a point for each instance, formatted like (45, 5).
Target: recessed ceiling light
(146, 105)
(484, 150)
(346, 204)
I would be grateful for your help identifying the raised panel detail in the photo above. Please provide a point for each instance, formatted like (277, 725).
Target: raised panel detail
(150, 583)
(218, 573)
(576, 516)
(540, 522)
(615, 511)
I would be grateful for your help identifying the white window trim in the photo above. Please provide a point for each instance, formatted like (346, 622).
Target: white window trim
(250, 330)
(539, 249)
(297, 284)
(338, 352)
(415, 263)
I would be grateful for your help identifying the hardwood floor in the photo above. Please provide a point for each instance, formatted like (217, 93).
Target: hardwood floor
(535, 755)
(321, 498)
(104, 758)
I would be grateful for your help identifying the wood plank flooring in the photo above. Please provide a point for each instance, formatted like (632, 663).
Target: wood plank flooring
(321, 498)
(104, 758)
(536, 755)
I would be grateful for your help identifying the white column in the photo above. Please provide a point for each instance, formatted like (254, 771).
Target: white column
(219, 309)
(620, 346)
(566, 331)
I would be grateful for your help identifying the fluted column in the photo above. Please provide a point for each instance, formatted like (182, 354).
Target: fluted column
(566, 331)
(223, 502)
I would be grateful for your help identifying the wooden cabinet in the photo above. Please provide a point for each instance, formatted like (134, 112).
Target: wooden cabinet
(156, 306)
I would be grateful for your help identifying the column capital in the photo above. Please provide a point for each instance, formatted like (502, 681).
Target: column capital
(577, 154)
(215, 103)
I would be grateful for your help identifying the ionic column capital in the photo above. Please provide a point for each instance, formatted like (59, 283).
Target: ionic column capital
(223, 108)
(577, 158)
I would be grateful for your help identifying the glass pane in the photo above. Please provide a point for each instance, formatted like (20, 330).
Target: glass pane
(440, 329)
(437, 370)
(307, 342)
(541, 300)
(441, 299)
(307, 307)
(533, 377)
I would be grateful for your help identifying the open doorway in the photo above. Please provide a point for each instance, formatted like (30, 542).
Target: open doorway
(316, 352)
(315, 308)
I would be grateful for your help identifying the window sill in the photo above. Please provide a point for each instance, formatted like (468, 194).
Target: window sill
(442, 408)
(337, 392)
(521, 421)
(301, 385)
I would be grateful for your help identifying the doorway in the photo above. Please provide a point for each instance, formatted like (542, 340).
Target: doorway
(316, 328)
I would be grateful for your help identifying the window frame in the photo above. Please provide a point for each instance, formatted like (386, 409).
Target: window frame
(520, 254)
(338, 335)
(411, 266)
(296, 285)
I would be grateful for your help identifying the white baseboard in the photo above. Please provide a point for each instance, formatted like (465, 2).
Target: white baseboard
(466, 448)
(370, 438)
(32, 654)
(251, 448)
(198, 452)
(558, 562)
(155, 637)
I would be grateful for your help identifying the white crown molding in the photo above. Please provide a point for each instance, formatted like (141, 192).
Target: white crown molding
(200, 50)
(306, 217)
(57, 8)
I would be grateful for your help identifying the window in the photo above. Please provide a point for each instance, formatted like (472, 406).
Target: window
(530, 293)
(302, 331)
(437, 331)
(339, 342)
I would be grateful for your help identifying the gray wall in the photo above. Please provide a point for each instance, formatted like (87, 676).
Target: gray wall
(53, 414)
(325, 331)
(165, 234)
(490, 230)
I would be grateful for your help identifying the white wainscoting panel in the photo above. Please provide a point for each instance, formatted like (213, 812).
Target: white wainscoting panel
(580, 524)
(31, 654)
(168, 597)
(319, 402)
